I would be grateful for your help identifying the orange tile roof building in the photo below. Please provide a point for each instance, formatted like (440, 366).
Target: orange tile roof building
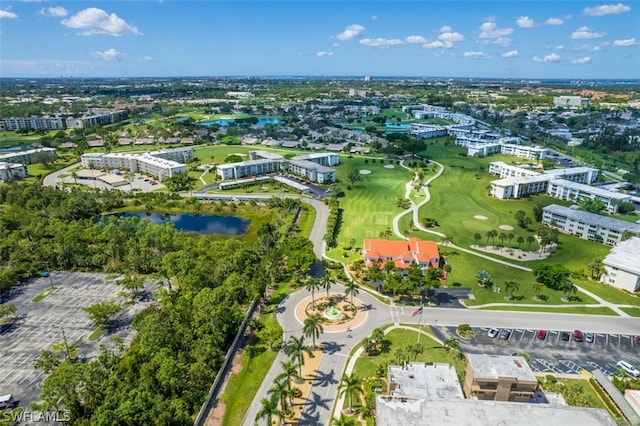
(402, 253)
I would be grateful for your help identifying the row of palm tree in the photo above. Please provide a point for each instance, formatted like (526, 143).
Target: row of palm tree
(281, 394)
(314, 284)
(511, 286)
(492, 234)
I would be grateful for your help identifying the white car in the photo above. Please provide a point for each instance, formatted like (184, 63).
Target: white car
(628, 368)
(493, 332)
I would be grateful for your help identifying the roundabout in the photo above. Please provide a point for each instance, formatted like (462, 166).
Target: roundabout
(336, 311)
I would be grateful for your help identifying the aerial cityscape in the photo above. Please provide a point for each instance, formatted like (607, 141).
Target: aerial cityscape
(319, 213)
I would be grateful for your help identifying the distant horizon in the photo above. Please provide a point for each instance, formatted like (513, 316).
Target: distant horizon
(527, 39)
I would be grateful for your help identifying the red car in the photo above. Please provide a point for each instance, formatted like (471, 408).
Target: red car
(542, 334)
(577, 336)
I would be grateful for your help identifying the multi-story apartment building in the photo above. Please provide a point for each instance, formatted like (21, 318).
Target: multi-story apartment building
(504, 170)
(102, 118)
(499, 378)
(313, 167)
(621, 265)
(35, 123)
(572, 102)
(519, 186)
(588, 226)
(577, 192)
(159, 164)
(12, 171)
(25, 157)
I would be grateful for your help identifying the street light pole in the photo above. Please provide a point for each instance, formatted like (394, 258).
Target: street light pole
(46, 262)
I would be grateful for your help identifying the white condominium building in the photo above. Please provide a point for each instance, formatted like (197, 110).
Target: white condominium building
(313, 167)
(25, 157)
(577, 192)
(11, 171)
(588, 226)
(622, 266)
(159, 164)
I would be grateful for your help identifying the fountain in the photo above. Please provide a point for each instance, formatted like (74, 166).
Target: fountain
(332, 313)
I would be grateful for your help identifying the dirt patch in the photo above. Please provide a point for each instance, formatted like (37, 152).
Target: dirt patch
(365, 172)
(309, 371)
(389, 166)
(480, 217)
(506, 227)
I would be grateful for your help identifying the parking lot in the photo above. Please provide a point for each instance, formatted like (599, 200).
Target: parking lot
(57, 317)
(552, 354)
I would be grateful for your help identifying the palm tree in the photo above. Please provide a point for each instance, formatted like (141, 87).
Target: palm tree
(268, 409)
(597, 268)
(313, 327)
(296, 350)
(343, 421)
(568, 288)
(279, 392)
(377, 336)
(325, 282)
(351, 288)
(510, 237)
(312, 285)
(350, 386)
(538, 288)
(502, 237)
(289, 371)
(416, 349)
(510, 286)
(477, 237)
(74, 175)
(530, 239)
(400, 355)
(483, 277)
(520, 240)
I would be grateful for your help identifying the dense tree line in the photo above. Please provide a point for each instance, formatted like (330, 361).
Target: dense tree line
(181, 339)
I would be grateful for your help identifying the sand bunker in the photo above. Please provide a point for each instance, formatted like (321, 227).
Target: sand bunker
(389, 166)
(506, 227)
(480, 217)
(365, 172)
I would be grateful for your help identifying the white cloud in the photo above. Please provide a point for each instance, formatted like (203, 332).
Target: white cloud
(374, 18)
(351, 32)
(381, 42)
(476, 55)
(415, 39)
(510, 54)
(55, 11)
(146, 59)
(552, 57)
(606, 9)
(438, 43)
(624, 43)
(96, 21)
(445, 29)
(525, 22)
(5, 14)
(554, 21)
(502, 41)
(110, 55)
(324, 53)
(450, 36)
(583, 33)
(584, 60)
(491, 30)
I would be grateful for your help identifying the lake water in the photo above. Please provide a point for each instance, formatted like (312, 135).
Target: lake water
(227, 121)
(201, 224)
(397, 126)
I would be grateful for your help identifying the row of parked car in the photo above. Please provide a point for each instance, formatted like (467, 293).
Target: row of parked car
(578, 336)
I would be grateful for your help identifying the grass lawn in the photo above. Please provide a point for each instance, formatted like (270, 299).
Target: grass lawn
(366, 366)
(609, 293)
(44, 294)
(306, 221)
(369, 207)
(634, 312)
(564, 310)
(12, 139)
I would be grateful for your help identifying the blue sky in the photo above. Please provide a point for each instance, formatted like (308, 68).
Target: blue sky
(499, 39)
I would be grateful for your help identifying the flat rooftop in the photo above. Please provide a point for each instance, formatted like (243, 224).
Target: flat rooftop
(406, 411)
(625, 255)
(592, 218)
(495, 366)
(437, 381)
